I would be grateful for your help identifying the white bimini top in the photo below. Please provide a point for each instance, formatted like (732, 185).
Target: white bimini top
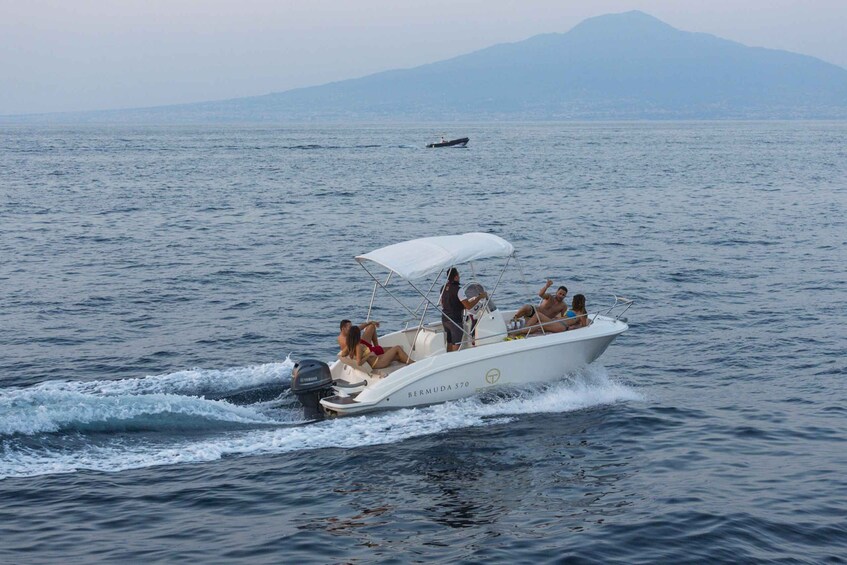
(418, 258)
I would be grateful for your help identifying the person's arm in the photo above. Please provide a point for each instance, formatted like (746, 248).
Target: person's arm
(543, 292)
(363, 325)
(469, 303)
(355, 359)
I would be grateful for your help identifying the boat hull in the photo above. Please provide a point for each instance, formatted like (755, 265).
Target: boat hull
(461, 374)
(462, 142)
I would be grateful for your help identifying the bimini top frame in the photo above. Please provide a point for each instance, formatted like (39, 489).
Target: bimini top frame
(418, 258)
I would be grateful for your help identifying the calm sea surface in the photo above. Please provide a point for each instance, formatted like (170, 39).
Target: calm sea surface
(151, 275)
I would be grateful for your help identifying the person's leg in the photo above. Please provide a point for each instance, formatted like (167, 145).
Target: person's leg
(533, 322)
(453, 336)
(550, 326)
(554, 327)
(384, 360)
(445, 323)
(394, 353)
(402, 355)
(523, 311)
(369, 334)
(452, 333)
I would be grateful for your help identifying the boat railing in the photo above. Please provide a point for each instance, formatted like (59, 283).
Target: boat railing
(621, 304)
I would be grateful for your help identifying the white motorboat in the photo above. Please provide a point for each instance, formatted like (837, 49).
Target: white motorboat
(489, 356)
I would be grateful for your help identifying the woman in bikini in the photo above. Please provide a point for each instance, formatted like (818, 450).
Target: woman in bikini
(358, 351)
(369, 336)
(574, 319)
(581, 319)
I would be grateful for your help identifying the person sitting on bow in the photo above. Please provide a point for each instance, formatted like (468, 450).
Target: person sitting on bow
(552, 305)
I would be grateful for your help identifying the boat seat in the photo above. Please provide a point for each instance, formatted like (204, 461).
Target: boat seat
(428, 343)
(366, 372)
(384, 372)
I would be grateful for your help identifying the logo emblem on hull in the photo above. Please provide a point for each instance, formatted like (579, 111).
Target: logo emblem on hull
(492, 376)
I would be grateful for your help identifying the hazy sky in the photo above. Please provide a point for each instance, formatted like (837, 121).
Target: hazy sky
(97, 54)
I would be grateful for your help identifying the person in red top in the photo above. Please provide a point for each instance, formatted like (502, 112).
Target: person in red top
(369, 337)
(358, 352)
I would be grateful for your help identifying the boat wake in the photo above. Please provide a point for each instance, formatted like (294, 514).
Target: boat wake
(154, 403)
(203, 415)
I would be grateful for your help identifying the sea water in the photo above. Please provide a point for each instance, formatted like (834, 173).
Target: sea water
(158, 283)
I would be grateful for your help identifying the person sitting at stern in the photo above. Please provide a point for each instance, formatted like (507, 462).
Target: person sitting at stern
(361, 354)
(369, 337)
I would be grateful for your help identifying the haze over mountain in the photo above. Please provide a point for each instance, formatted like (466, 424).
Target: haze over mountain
(618, 66)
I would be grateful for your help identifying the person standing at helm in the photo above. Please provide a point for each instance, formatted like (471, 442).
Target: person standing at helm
(453, 307)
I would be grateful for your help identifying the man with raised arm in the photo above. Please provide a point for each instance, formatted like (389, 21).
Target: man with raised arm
(552, 305)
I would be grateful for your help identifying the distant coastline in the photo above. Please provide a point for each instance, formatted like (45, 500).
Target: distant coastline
(618, 67)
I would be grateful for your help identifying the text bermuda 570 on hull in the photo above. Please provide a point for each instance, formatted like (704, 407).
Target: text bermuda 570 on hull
(487, 358)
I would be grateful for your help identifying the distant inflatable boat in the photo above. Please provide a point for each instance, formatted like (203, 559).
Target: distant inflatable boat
(461, 142)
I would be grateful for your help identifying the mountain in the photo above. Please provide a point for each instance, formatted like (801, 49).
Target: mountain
(617, 66)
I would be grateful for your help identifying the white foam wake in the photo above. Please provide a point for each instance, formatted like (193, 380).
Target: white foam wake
(588, 389)
(155, 402)
(191, 382)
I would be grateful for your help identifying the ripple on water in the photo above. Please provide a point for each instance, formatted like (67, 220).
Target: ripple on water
(160, 276)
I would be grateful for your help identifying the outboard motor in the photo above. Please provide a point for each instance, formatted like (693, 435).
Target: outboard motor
(311, 380)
